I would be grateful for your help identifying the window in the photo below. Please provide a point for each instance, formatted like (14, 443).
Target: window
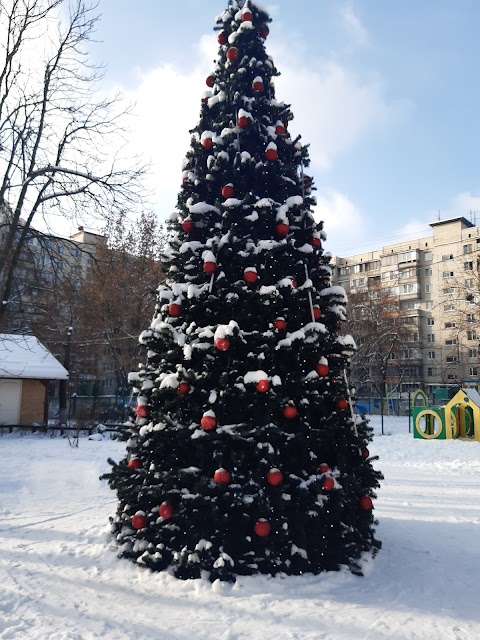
(468, 266)
(448, 291)
(448, 307)
(410, 304)
(472, 335)
(430, 321)
(450, 341)
(473, 353)
(74, 253)
(343, 271)
(431, 355)
(407, 256)
(428, 272)
(470, 317)
(473, 371)
(408, 273)
(451, 359)
(449, 256)
(389, 275)
(427, 256)
(388, 260)
(430, 337)
(467, 248)
(428, 305)
(447, 274)
(450, 325)
(430, 372)
(452, 376)
(61, 251)
(428, 288)
(392, 356)
(469, 283)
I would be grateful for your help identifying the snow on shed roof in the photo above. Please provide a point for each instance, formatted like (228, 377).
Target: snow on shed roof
(27, 357)
(473, 395)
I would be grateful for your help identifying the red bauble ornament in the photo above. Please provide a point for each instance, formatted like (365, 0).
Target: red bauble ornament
(282, 229)
(209, 267)
(274, 477)
(174, 309)
(165, 510)
(328, 484)
(263, 386)
(222, 344)
(134, 463)
(280, 130)
(207, 143)
(365, 453)
(323, 468)
(258, 86)
(232, 54)
(294, 282)
(342, 404)
(142, 411)
(242, 122)
(307, 181)
(210, 80)
(139, 521)
(317, 312)
(264, 31)
(222, 38)
(316, 242)
(188, 225)
(290, 412)
(271, 155)
(280, 324)
(250, 276)
(322, 369)
(247, 16)
(262, 528)
(183, 388)
(228, 191)
(365, 503)
(208, 423)
(222, 476)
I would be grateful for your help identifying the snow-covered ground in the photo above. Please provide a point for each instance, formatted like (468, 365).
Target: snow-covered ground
(60, 578)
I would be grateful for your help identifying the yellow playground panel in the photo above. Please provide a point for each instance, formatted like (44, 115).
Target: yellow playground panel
(459, 418)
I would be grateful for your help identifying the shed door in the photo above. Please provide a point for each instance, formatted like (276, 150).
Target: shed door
(10, 396)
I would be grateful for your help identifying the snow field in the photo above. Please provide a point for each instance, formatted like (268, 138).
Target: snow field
(60, 578)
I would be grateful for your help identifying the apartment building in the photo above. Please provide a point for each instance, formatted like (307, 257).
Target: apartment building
(435, 281)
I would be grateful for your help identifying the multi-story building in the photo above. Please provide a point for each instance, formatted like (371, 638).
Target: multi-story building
(436, 283)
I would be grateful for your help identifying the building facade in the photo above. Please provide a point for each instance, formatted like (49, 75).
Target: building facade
(435, 282)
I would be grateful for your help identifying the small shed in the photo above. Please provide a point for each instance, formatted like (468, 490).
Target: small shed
(26, 368)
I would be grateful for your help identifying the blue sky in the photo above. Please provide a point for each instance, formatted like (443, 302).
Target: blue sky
(385, 93)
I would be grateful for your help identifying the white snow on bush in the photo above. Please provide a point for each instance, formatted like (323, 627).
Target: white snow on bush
(202, 207)
(308, 334)
(336, 291)
(207, 256)
(192, 245)
(232, 202)
(168, 381)
(252, 377)
(225, 330)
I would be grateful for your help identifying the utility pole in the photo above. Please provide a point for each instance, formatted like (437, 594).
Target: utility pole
(63, 391)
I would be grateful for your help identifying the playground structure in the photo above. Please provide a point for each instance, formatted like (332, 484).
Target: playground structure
(459, 418)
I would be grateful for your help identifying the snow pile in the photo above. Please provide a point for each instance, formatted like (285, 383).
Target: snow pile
(61, 579)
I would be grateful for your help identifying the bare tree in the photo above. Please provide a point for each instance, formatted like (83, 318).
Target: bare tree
(387, 341)
(60, 144)
(117, 301)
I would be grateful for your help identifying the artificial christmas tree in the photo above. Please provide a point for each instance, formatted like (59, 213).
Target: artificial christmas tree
(244, 431)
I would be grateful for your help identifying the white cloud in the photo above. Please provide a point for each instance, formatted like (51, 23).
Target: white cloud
(353, 24)
(341, 217)
(334, 110)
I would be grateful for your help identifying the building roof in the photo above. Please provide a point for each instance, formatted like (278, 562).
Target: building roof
(463, 220)
(27, 357)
